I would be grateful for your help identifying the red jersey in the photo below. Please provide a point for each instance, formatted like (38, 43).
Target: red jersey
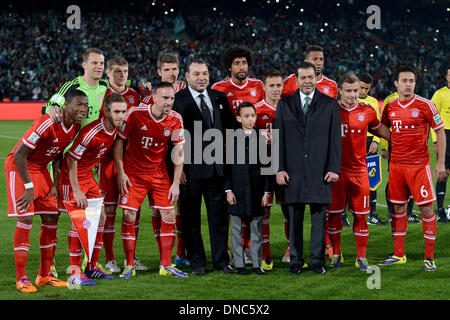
(148, 99)
(131, 97)
(47, 139)
(89, 148)
(266, 115)
(410, 123)
(354, 125)
(251, 91)
(324, 85)
(148, 137)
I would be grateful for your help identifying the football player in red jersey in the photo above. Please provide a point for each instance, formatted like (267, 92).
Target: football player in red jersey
(77, 181)
(353, 184)
(410, 117)
(265, 110)
(30, 188)
(239, 88)
(117, 72)
(168, 69)
(142, 169)
(313, 54)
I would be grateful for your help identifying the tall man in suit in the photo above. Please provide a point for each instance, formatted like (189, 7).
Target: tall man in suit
(309, 161)
(204, 109)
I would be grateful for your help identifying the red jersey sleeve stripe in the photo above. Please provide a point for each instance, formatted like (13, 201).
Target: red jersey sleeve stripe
(44, 126)
(29, 145)
(88, 137)
(74, 155)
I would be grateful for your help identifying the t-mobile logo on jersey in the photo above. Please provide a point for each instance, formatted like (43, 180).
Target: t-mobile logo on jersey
(344, 129)
(146, 141)
(236, 103)
(397, 124)
(52, 150)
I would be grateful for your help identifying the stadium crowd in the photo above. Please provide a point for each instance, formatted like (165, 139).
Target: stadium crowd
(45, 53)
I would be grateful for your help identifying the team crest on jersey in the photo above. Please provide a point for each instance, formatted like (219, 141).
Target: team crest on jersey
(100, 98)
(415, 113)
(360, 117)
(131, 100)
(124, 200)
(326, 90)
(253, 93)
(166, 132)
(86, 224)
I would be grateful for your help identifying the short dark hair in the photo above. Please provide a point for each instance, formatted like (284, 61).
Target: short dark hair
(234, 52)
(116, 61)
(366, 78)
(75, 93)
(89, 51)
(197, 61)
(311, 48)
(349, 77)
(271, 73)
(112, 98)
(244, 105)
(167, 57)
(160, 85)
(405, 68)
(306, 65)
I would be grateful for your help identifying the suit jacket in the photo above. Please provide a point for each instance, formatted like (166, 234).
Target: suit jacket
(244, 178)
(309, 146)
(223, 119)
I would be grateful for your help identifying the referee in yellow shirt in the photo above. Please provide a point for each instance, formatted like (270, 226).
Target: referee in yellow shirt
(365, 85)
(441, 98)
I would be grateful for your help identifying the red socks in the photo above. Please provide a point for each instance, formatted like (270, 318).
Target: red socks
(109, 234)
(21, 247)
(129, 240)
(167, 239)
(75, 250)
(429, 234)
(334, 231)
(399, 225)
(361, 232)
(47, 244)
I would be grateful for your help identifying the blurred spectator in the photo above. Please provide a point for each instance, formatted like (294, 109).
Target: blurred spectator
(44, 53)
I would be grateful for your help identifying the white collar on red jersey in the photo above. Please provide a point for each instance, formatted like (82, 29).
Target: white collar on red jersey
(239, 86)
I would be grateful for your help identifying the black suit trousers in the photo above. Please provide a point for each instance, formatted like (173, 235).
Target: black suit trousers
(212, 191)
(317, 240)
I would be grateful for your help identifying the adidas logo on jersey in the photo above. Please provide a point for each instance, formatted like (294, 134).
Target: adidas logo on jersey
(56, 140)
(265, 117)
(144, 127)
(393, 114)
(230, 94)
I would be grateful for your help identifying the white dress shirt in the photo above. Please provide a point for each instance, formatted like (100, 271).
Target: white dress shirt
(195, 94)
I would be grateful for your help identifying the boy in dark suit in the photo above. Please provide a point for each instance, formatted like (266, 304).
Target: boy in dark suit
(246, 188)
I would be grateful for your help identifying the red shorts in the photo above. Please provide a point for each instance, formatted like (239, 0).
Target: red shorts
(89, 187)
(42, 184)
(108, 182)
(415, 181)
(354, 190)
(157, 187)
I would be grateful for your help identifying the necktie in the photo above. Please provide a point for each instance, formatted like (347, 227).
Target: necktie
(306, 105)
(205, 111)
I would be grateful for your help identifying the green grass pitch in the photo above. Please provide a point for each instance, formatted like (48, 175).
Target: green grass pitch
(400, 282)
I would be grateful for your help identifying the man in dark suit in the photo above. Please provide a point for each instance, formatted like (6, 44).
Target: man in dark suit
(309, 139)
(204, 109)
